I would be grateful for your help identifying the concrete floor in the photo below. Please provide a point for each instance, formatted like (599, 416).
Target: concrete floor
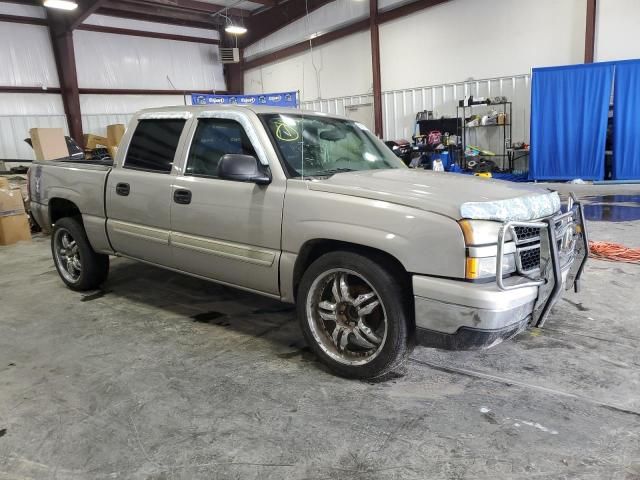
(161, 376)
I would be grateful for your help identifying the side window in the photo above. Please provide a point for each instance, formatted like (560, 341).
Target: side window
(154, 144)
(214, 138)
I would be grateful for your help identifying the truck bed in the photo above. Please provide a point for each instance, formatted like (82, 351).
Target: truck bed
(80, 182)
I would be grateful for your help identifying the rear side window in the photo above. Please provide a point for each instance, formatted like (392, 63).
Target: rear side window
(214, 138)
(154, 144)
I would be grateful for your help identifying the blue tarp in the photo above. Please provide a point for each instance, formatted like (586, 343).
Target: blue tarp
(626, 121)
(279, 99)
(569, 108)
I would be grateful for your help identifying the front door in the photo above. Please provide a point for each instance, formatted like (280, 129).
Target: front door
(221, 229)
(138, 197)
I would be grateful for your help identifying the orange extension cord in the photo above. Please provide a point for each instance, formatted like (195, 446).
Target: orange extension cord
(614, 252)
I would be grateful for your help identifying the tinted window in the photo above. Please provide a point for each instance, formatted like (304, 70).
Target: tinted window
(154, 144)
(214, 138)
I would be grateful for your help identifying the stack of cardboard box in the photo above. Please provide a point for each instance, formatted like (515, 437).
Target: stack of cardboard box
(14, 223)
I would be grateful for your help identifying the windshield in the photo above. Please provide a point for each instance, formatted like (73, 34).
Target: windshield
(314, 146)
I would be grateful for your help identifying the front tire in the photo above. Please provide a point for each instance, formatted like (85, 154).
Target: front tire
(79, 266)
(354, 314)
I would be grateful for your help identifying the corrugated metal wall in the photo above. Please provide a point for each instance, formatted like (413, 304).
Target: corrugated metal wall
(399, 107)
(337, 106)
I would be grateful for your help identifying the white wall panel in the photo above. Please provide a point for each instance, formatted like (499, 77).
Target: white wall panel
(105, 60)
(399, 107)
(464, 39)
(98, 111)
(337, 69)
(107, 21)
(617, 30)
(26, 56)
(19, 113)
(22, 10)
(326, 18)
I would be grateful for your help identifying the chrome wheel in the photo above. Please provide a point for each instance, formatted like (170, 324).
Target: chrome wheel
(67, 255)
(346, 316)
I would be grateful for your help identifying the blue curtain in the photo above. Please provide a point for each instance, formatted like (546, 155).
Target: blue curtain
(569, 108)
(626, 121)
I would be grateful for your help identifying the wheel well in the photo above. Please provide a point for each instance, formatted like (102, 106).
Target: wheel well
(314, 249)
(61, 208)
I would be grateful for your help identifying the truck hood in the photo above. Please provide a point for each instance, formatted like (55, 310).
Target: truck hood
(454, 195)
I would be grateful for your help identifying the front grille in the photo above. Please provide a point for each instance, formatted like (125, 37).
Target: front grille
(529, 259)
(526, 233)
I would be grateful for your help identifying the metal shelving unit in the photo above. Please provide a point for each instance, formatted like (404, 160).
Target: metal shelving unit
(503, 128)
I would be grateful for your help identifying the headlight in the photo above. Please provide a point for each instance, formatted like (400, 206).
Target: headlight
(482, 237)
(479, 268)
(481, 232)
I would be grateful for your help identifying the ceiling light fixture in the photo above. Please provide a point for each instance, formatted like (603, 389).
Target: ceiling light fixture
(61, 4)
(235, 29)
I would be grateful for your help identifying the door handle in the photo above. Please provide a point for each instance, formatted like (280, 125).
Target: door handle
(123, 189)
(182, 196)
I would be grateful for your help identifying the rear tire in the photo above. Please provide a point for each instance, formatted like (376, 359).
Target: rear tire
(78, 265)
(354, 314)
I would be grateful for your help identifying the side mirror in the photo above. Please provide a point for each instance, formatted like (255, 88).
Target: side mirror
(243, 168)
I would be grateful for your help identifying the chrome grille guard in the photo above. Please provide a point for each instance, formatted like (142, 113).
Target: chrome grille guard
(566, 237)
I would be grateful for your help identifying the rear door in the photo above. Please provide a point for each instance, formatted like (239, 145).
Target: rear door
(139, 190)
(228, 231)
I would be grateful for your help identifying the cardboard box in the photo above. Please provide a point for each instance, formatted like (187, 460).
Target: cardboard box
(92, 141)
(11, 202)
(48, 143)
(115, 133)
(14, 228)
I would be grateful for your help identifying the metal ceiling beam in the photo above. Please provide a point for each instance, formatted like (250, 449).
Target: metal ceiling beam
(590, 31)
(268, 21)
(407, 9)
(144, 33)
(33, 3)
(195, 6)
(85, 9)
(357, 26)
(118, 8)
(303, 46)
(22, 19)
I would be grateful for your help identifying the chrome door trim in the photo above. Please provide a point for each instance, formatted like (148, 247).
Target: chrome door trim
(232, 250)
(152, 234)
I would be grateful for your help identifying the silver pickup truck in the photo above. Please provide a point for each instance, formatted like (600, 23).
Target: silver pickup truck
(312, 209)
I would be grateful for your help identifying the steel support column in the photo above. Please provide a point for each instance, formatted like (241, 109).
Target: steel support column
(375, 66)
(590, 32)
(62, 43)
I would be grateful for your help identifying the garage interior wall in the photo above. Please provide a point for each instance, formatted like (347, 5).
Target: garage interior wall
(27, 60)
(103, 61)
(110, 61)
(617, 32)
(429, 59)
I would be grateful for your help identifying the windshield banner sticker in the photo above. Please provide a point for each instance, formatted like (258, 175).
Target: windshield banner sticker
(281, 99)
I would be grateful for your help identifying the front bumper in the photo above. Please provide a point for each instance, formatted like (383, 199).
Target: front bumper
(459, 315)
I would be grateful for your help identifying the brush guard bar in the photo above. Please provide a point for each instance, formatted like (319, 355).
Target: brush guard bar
(564, 247)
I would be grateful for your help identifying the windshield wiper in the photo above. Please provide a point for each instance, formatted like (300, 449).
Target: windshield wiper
(328, 173)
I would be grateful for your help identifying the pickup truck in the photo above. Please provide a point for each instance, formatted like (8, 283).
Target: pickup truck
(313, 209)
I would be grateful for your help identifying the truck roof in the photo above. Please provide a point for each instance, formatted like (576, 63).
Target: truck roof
(258, 109)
